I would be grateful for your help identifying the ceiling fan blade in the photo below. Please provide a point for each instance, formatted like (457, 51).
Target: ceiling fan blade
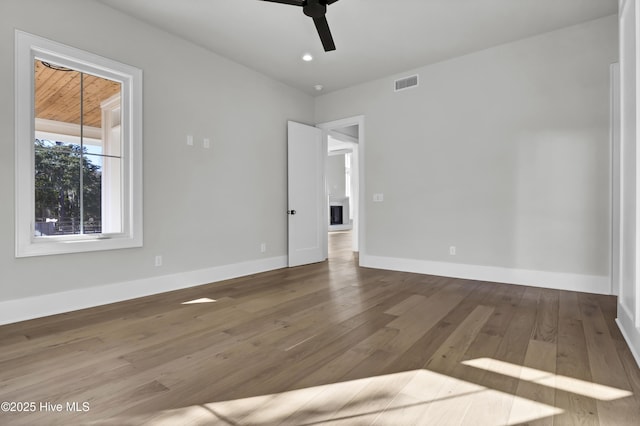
(291, 2)
(325, 33)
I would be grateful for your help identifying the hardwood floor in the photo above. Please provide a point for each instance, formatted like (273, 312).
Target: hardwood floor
(329, 343)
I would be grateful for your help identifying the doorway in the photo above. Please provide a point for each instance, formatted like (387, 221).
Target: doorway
(344, 173)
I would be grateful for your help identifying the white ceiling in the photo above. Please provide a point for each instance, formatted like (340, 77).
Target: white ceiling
(374, 38)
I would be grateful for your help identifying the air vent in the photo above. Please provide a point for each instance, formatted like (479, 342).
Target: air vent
(406, 83)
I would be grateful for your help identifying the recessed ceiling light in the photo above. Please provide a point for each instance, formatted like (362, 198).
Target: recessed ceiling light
(307, 57)
(318, 87)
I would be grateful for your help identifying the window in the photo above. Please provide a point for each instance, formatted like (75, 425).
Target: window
(78, 150)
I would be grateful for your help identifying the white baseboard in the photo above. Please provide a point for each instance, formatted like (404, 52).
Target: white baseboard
(629, 331)
(50, 304)
(55, 303)
(555, 280)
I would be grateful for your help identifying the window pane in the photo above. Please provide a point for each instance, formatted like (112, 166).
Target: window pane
(57, 188)
(112, 195)
(92, 193)
(102, 178)
(57, 93)
(101, 113)
(57, 160)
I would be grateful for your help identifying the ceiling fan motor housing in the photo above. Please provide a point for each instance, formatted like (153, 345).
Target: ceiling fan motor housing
(317, 10)
(314, 9)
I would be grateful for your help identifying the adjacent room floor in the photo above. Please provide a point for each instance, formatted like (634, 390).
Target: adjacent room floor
(329, 343)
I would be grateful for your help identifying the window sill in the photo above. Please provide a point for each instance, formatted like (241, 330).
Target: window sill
(45, 246)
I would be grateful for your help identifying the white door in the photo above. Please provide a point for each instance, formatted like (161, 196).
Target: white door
(306, 194)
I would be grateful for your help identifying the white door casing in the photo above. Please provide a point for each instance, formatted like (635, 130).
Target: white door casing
(358, 167)
(305, 194)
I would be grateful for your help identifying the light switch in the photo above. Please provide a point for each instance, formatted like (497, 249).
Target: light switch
(190, 140)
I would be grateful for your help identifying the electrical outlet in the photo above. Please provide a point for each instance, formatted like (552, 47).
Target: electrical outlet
(158, 260)
(206, 143)
(263, 247)
(378, 198)
(452, 250)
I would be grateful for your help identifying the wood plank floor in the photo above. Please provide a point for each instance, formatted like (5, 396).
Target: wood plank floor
(329, 343)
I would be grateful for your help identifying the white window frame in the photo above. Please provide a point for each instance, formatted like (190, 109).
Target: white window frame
(28, 47)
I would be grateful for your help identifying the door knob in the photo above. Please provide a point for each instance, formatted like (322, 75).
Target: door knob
(291, 212)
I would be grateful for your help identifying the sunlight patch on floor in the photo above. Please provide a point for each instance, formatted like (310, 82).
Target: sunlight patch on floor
(412, 397)
(545, 378)
(201, 300)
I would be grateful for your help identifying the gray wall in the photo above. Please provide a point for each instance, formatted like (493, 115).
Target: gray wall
(202, 208)
(503, 153)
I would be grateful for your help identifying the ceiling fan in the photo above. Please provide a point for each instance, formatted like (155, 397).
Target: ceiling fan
(317, 10)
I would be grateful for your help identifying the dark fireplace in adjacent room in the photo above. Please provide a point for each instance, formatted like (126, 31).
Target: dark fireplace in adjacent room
(335, 213)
